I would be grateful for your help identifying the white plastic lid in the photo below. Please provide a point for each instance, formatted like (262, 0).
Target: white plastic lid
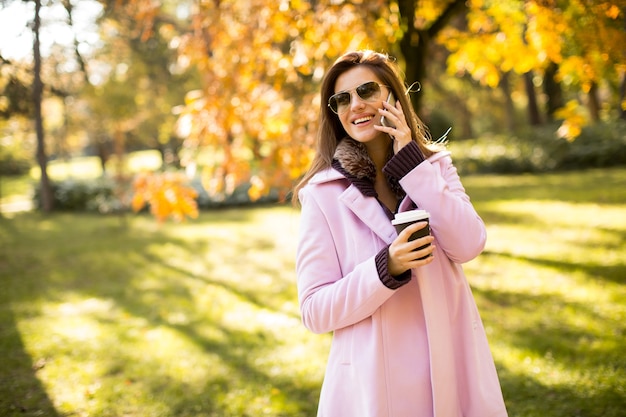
(410, 216)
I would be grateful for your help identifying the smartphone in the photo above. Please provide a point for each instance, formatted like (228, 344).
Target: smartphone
(383, 120)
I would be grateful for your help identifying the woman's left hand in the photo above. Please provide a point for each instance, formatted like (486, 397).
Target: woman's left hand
(401, 133)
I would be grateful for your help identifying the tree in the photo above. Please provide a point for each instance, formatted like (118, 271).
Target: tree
(45, 82)
(253, 117)
(47, 200)
(553, 90)
(422, 22)
(15, 89)
(151, 72)
(576, 43)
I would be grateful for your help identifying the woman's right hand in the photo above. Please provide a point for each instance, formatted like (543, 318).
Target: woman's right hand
(403, 254)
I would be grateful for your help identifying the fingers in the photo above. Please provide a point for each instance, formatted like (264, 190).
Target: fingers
(420, 247)
(404, 254)
(401, 133)
(395, 113)
(401, 259)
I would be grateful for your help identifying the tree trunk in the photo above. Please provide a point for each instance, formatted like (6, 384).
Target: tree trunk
(622, 97)
(622, 92)
(413, 46)
(509, 108)
(552, 90)
(534, 116)
(415, 43)
(594, 102)
(46, 189)
(466, 121)
(1, 194)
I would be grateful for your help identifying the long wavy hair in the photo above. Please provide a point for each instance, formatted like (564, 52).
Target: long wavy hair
(330, 131)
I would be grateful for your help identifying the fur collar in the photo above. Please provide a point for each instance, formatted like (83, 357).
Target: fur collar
(354, 159)
(351, 159)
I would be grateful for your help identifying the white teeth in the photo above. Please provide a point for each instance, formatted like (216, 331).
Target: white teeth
(363, 120)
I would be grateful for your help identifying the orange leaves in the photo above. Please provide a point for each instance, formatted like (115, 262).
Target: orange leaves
(612, 11)
(167, 195)
(252, 119)
(254, 116)
(143, 11)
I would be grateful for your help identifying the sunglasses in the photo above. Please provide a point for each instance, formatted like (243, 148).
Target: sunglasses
(340, 102)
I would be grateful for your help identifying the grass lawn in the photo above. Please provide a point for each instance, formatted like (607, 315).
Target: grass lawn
(111, 316)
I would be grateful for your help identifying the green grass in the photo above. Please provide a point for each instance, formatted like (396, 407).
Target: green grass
(551, 289)
(112, 316)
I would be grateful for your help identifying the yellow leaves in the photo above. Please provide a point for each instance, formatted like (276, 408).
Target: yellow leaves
(428, 11)
(261, 62)
(574, 120)
(578, 70)
(494, 44)
(257, 188)
(167, 195)
(486, 56)
(522, 36)
(545, 32)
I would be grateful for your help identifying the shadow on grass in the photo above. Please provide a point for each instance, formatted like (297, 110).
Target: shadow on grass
(259, 297)
(583, 362)
(571, 351)
(153, 276)
(610, 273)
(572, 332)
(48, 258)
(21, 392)
(528, 397)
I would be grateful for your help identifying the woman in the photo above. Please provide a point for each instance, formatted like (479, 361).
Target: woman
(407, 337)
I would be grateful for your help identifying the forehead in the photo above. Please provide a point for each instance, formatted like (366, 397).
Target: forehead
(354, 77)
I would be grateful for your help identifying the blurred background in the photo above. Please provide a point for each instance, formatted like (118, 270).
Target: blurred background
(226, 92)
(204, 112)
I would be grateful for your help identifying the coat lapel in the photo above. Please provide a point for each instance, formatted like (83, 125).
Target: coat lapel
(369, 211)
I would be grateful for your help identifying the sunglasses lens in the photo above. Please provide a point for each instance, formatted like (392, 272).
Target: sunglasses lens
(339, 102)
(368, 91)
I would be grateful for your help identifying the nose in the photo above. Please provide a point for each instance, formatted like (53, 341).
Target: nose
(356, 102)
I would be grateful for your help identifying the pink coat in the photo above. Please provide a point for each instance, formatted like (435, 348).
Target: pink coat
(420, 350)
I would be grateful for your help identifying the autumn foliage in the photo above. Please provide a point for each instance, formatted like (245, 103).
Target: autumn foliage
(167, 195)
(252, 120)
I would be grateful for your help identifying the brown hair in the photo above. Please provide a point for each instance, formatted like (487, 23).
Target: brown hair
(330, 130)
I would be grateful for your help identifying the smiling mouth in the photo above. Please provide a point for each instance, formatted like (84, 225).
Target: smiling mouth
(362, 120)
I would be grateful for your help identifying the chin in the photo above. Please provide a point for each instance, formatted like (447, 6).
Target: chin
(371, 137)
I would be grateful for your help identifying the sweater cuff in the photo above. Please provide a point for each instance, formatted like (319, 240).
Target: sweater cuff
(404, 161)
(388, 280)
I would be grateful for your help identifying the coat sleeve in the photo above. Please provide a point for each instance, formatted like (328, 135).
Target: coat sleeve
(330, 298)
(434, 185)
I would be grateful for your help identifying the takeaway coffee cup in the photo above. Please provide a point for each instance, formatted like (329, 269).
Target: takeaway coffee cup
(406, 218)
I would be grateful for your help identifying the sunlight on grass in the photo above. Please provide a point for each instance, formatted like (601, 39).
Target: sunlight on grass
(20, 189)
(85, 167)
(201, 318)
(550, 287)
(192, 319)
